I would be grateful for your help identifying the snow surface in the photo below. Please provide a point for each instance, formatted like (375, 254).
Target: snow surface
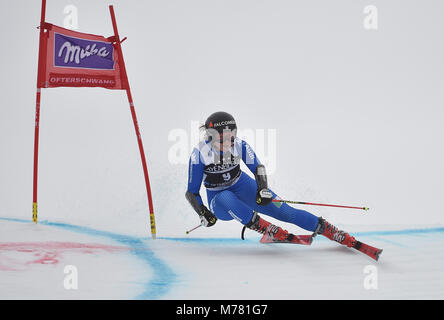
(115, 266)
(355, 118)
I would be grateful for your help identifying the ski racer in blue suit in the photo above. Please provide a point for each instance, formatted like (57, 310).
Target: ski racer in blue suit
(233, 194)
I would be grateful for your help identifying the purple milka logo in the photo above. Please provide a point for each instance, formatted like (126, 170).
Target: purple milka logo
(72, 52)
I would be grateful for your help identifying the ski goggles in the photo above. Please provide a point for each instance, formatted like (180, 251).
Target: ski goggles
(226, 135)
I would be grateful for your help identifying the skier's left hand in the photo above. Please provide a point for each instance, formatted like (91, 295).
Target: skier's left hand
(207, 218)
(264, 197)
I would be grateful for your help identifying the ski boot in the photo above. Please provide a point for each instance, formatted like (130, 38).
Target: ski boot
(333, 233)
(271, 232)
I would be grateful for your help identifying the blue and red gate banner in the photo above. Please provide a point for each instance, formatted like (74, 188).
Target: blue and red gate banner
(74, 59)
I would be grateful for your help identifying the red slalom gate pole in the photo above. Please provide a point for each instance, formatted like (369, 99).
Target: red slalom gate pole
(37, 111)
(136, 126)
(320, 204)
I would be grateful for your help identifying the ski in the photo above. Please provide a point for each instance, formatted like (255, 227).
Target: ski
(372, 252)
(296, 239)
(368, 250)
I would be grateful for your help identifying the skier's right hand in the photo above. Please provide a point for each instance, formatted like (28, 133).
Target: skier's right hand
(264, 197)
(207, 218)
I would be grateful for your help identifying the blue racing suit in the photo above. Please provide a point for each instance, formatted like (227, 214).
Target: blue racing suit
(231, 193)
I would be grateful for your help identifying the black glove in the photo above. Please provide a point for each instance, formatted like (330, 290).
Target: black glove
(207, 218)
(264, 197)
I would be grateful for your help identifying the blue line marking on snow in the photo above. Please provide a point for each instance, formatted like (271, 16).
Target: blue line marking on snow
(163, 275)
(208, 240)
(413, 232)
(395, 243)
(399, 232)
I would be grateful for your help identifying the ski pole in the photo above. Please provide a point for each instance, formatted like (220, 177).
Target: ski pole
(193, 229)
(320, 204)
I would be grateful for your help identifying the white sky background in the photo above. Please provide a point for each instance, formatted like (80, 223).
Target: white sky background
(358, 113)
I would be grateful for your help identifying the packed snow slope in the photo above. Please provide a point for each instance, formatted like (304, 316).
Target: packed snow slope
(108, 265)
(337, 113)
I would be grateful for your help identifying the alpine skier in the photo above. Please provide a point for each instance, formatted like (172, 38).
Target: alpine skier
(233, 194)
